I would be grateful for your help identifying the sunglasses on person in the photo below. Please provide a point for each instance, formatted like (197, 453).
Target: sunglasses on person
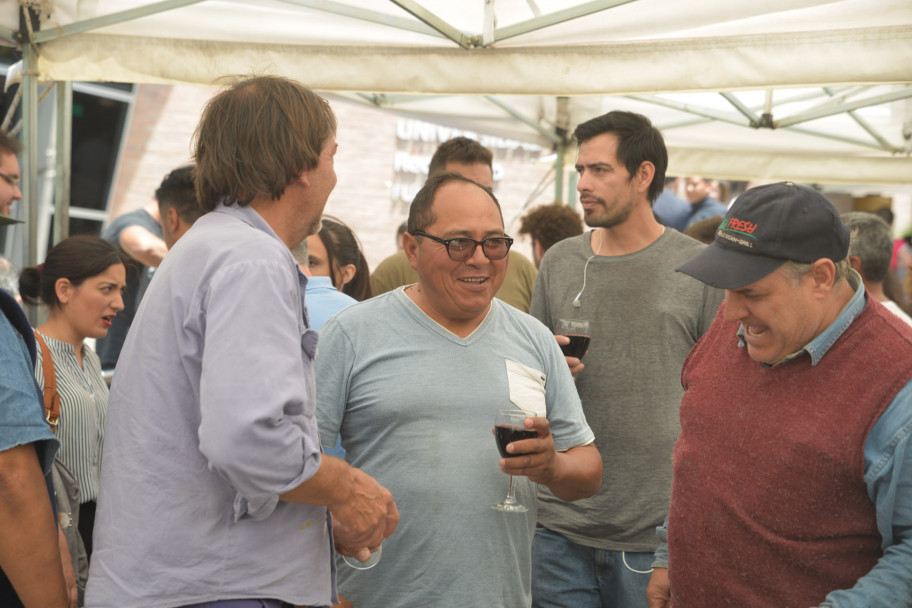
(461, 248)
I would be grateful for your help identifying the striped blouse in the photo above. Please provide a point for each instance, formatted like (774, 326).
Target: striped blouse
(83, 408)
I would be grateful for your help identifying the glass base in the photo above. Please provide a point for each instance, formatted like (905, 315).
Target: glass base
(510, 507)
(370, 563)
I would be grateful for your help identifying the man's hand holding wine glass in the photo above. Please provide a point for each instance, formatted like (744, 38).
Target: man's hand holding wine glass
(540, 462)
(361, 522)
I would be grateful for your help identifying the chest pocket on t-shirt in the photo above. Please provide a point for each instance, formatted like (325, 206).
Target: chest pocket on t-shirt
(527, 387)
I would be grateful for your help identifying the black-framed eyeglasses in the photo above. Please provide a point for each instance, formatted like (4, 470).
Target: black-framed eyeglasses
(462, 248)
(10, 180)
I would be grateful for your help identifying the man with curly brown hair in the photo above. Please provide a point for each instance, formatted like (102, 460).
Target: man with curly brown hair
(548, 224)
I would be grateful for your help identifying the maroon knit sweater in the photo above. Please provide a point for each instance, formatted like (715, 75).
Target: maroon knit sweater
(769, 507)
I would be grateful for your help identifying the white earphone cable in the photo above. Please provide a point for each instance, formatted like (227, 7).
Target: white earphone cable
(576, 300)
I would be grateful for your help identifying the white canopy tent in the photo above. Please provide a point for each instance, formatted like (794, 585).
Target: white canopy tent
(811, 90)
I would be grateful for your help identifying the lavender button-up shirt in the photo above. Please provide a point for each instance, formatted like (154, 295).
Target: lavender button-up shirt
(210, 419)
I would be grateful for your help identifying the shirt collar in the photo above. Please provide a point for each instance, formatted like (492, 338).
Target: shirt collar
(249, 215)
(245, 213)
(819, 346)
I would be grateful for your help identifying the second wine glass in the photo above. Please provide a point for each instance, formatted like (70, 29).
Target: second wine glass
(578, 332)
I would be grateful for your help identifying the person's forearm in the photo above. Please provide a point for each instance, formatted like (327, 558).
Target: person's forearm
(331, 483)
(579, 473)
(885, 586)
(29, 550)
(143, 246)
(363, 511)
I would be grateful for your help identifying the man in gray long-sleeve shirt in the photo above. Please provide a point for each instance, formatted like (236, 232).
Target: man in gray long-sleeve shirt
(213, 486)
(643, 318)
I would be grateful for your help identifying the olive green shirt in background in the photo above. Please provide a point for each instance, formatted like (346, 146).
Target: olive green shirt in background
(516, 290)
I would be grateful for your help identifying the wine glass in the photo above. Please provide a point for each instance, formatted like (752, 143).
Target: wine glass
(578, 332)
(509, 427)
(372, 561)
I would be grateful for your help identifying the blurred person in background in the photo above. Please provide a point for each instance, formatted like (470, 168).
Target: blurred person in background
(139, 235)
(702, 204)
(704, 230)
(870, 250)
(548, 224)
(335, 252)
(671, 210)
(470, 159)
(177, 204)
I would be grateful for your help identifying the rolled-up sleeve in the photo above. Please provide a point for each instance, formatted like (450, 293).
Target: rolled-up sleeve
(257, 424)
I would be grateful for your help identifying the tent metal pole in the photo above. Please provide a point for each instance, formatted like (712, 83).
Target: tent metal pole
(366, 15)
(559, 175)
(738, 105)
(690, 109)
(110, 19)
(63, 160)
(28, 22)
(524, 119)
(435, 22)
(864, 124)
(571, 189)
(557, 17)
(905, 93)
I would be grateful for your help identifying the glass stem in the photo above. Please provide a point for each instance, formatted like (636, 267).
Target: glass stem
(510, 499)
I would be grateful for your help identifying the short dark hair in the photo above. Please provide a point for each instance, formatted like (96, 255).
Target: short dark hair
(639, 142)
(9, 144)
(421, 212)
(178, 191)
(76, 258)
(255, 137)
(549, 224)
(343, 248)
(870, 239)
(460, 150)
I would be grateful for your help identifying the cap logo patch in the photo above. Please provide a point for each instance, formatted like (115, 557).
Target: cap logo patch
(736, 238)
(743, 226)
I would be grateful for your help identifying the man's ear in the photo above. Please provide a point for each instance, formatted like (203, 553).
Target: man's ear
(644, 174)
(855, 263)
(823, 273)
(172, 218)
(410, 247)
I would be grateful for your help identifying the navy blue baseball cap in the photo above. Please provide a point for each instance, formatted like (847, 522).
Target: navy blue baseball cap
(766, 227)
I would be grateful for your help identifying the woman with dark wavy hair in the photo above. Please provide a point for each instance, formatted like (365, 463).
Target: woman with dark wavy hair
(80, 282)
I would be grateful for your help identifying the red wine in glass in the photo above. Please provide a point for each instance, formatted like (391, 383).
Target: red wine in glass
(506, 435)
(577, 347)
(578, 332)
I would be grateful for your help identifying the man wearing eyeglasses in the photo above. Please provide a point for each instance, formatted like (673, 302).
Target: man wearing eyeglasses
(9, 181)
(34, 565)
(413, 379)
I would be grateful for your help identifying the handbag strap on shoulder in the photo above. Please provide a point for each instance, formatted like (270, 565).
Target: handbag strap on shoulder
(51, 397)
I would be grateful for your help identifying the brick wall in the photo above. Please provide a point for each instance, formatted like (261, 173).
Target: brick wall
(163, 119)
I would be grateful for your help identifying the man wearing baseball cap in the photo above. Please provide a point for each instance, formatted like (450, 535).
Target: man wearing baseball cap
(793, 472)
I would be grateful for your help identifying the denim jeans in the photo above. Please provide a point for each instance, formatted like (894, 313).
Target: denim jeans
(567, 574)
